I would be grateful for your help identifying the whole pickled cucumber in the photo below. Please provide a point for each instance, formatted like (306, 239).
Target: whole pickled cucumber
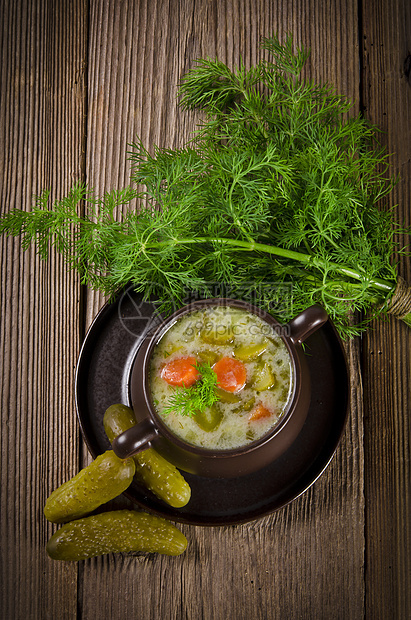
(105, 478)
(154, 471)
(113, 532)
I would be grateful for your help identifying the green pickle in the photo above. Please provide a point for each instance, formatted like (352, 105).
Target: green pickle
(227, 397)
(114, 532)
(250, 352)
(209, 419)
(216, 334)
(208, 357)
(264, 378)
(103, 480)
(153, 470)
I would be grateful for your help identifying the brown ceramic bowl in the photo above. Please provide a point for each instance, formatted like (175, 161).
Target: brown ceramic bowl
(151, 430)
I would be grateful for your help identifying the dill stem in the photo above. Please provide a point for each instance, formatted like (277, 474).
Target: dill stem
(378, 284)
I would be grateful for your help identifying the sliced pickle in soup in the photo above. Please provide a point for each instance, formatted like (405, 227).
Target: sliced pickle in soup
(216, 333)
(208, 357)
(171, 350)
(227, 397)
(264, 378)
(209, 419)
(249, 353)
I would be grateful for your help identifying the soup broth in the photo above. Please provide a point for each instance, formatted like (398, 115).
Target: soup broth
(254, 370)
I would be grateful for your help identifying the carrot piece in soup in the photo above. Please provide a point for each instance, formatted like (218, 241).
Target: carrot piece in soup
(231, 374)
(181, 372)
(260, 412)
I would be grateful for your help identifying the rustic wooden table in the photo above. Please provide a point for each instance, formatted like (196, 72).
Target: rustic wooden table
(78, 81)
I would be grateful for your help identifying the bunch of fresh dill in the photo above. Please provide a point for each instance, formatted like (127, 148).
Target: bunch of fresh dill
(275, 199)
(188, 401)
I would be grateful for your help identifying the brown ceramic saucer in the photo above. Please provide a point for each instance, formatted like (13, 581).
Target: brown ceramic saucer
(102, 379)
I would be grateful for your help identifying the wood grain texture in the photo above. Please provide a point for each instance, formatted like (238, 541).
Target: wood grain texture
(79, 80)
(42, 129)
(386, 354)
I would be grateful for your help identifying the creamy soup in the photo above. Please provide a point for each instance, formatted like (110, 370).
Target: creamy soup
(252, 365)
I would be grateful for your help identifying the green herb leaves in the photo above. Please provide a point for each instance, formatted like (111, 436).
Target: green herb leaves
(200, 396)
(280, 187)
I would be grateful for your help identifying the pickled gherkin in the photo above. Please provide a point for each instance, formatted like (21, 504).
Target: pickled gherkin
(248, 353)
(208, 357)
(103, 480)
(209, 419)
(216, 334)
(153, 470)
(114, 532)
(264, 378)
(227, 397)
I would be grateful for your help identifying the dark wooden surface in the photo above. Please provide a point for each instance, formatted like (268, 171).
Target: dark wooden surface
(78, 81)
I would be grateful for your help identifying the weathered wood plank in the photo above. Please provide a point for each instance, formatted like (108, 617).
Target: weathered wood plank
(387, 371)
(42, 67)
(307, 560)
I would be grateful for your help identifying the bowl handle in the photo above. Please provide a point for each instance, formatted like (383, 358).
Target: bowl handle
(135, 439)
(307, 323)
